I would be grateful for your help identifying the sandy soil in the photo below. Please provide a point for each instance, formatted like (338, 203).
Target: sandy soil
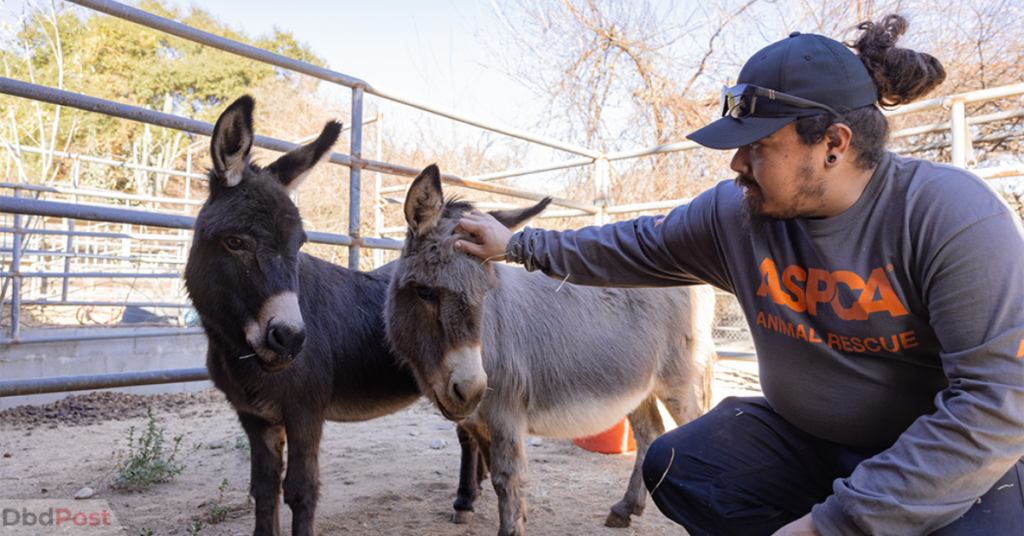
(378, 477)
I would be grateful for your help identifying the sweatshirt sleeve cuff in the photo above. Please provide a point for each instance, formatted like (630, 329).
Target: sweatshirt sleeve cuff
(831, 520)
(514, 249)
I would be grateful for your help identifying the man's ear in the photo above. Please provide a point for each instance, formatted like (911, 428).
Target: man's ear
(423, 201)
(838, 138)
(513, 219)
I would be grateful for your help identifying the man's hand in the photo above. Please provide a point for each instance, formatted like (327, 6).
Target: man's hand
(801, 527)
(490, 238)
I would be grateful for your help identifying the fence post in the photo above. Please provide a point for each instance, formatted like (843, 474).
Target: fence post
(960, 139)
(354, 185)
(601, 190)
(76, 171)
(378, 199)
(16, 273)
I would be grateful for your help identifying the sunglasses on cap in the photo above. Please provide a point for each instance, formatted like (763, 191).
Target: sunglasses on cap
(740, 100)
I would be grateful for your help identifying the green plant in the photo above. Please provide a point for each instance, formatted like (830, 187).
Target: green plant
(195, 527)
(147, 531)
(146, 461)
(219, 513)
(242, 444)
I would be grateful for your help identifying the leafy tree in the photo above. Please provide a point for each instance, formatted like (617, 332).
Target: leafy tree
(110, 58)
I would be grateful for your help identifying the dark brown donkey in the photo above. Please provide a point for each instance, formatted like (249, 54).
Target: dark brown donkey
(293, 340)
(507, 353)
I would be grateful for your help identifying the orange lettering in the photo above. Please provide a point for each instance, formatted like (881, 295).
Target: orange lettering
(770, 282)
(820, 286)
(888, 301)
(760, 320)
(812, 339)
(908, 340)
(852, 280)
(816, 294)
(1020, 351)
(800, 334)
(833, 338)
(857, 346)
(846, 343)
(773, 323)
(895, 344)
(873, 341)
(798, 303)
(787, 329)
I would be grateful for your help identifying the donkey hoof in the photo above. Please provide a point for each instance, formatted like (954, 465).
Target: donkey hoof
(461, 517)
(616, 521)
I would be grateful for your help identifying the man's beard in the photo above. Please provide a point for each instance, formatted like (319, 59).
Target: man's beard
(757, 220)
(754, 221)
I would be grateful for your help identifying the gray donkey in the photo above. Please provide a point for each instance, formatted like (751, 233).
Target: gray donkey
(507, 353)
(292, 340)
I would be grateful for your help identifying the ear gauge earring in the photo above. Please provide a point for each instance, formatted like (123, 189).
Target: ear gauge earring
(831, 159)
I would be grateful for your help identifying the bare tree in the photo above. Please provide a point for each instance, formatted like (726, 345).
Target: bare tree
(616, 74)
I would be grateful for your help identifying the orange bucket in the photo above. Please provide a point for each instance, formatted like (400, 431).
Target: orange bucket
(616, 440)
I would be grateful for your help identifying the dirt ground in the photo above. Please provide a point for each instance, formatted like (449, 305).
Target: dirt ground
(379, 477)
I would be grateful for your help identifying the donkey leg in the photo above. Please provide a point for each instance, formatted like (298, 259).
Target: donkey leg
(647, 426)
(266, 443)
(469, 477)
(302, 481)
(508, 475)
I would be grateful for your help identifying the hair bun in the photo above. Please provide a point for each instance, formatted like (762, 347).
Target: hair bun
(900, 75)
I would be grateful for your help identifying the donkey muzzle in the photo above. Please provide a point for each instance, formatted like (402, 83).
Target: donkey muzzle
(286, 340)
(465, 385)
(278, 333)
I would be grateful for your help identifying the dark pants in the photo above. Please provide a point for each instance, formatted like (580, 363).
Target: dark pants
(742, 470)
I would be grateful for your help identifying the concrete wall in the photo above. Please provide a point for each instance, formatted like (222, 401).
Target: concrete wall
(45, 360)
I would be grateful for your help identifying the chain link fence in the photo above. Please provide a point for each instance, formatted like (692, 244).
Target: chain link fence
(730, 324)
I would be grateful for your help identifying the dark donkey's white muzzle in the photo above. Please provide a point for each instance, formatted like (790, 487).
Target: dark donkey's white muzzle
(278, 333)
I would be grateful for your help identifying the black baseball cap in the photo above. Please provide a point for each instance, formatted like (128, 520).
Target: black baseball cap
(808, 66)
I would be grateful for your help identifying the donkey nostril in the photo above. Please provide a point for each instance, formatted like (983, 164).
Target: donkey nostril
(457, 395)
(285, 341)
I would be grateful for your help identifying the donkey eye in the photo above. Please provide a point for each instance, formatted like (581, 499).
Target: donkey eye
(234, 243)
(425, 293)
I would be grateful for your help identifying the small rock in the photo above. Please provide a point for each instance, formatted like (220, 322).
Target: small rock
(443, 426)
(84, 493)
(413, 433)
(172, 532)
(438, 444)
(7, 455)
(216, 444)
(44, 490)
(536, 441)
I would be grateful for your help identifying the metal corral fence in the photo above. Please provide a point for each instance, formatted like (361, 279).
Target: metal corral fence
(109, 248)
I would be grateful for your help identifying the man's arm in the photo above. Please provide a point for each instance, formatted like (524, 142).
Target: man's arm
(973, 285)
(650, 251)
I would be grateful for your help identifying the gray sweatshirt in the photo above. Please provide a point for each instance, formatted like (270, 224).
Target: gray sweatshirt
(898, 323)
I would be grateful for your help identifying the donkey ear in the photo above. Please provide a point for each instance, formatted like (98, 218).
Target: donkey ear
(514, 218)
(292, 168)
(232, 140)
(424, 200)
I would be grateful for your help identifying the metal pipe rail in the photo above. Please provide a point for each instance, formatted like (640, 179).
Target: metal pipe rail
(947, 102)
(20, 205)
(144, 18)
(104, 161)
(100, 381)
(142, 115)
(133, 236)
(101, 194)
(80, 303)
